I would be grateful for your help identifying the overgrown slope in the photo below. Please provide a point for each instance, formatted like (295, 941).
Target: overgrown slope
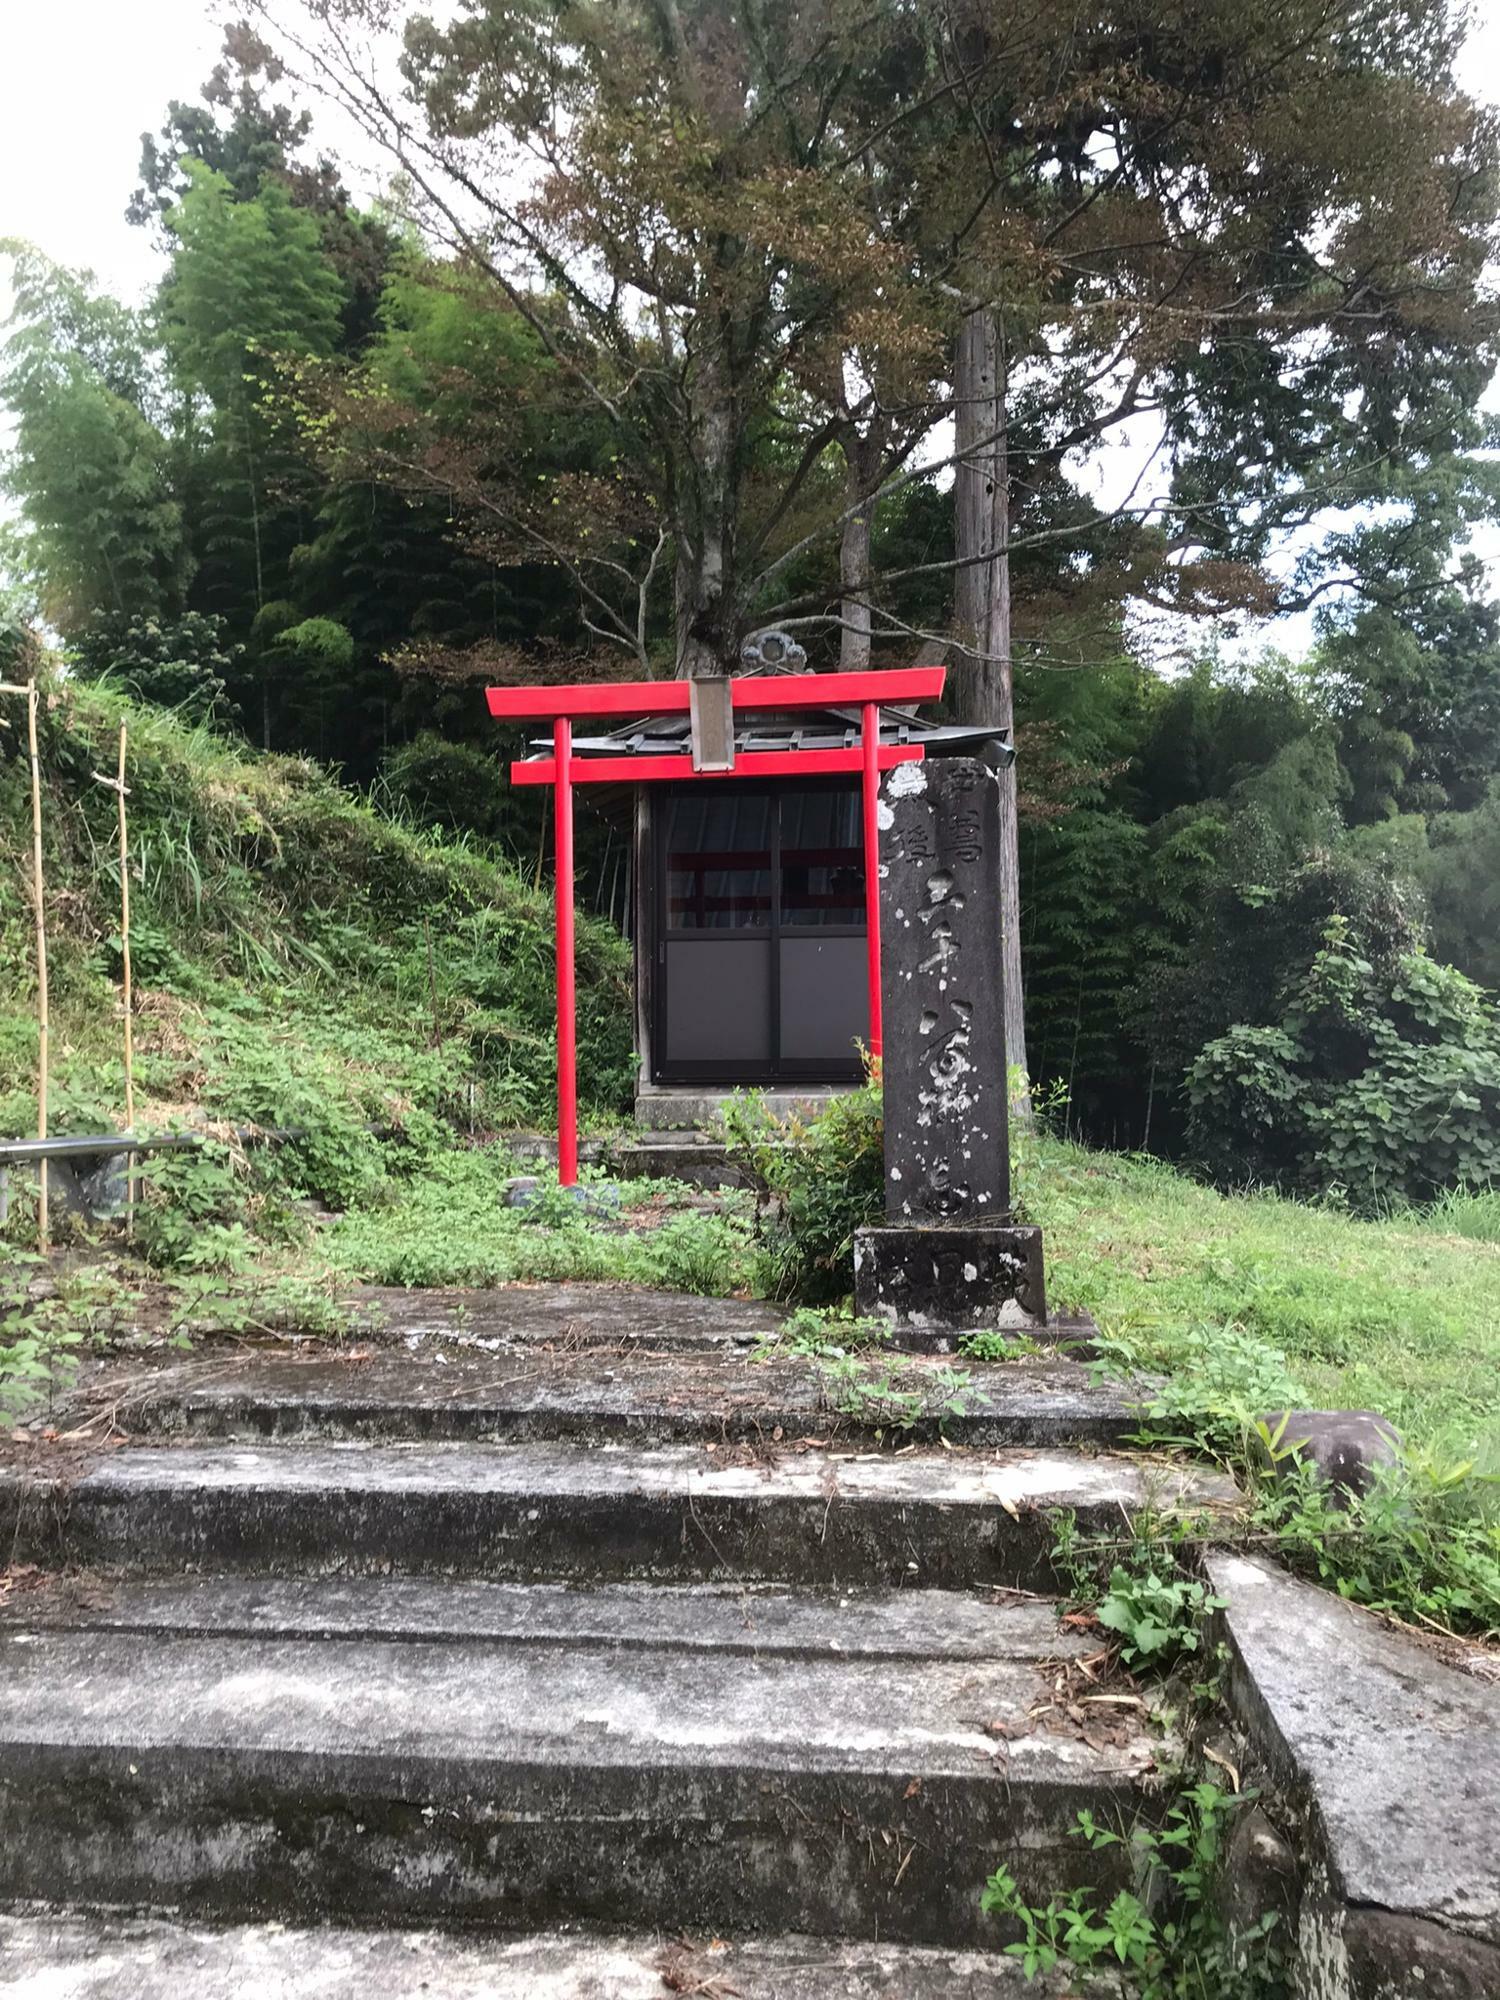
(298, 959)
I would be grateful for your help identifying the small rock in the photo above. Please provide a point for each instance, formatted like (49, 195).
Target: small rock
(1346, 1446)
(597, 1198)
(1261, 1877)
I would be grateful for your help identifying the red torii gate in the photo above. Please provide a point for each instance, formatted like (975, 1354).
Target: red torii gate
(562, 705)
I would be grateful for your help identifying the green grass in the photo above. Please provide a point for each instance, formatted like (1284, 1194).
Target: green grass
(1466, 1213)
(447, 1224)
(1400, 1315)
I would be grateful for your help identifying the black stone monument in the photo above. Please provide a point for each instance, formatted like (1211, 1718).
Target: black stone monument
(949, 1257)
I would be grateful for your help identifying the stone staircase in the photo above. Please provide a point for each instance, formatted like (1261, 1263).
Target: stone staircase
(561, 1623)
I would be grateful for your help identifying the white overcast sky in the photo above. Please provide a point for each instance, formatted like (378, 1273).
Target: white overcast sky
(86, 77)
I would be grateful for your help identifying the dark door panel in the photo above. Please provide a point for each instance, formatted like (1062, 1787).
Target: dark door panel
(825, 1001)
(718, 995)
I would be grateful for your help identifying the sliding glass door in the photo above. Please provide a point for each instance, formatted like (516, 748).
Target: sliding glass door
(759, 947)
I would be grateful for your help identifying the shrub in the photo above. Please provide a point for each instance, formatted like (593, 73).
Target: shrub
(817, 1181)
(177, 663)
(1382, 1085)
(439, 783)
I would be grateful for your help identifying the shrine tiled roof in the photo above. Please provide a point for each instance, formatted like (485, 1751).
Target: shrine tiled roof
(803, 729)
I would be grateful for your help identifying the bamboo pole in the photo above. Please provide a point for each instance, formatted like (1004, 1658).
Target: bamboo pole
(38, 897)
(129, 996)
(43, 1011)
(118, 786)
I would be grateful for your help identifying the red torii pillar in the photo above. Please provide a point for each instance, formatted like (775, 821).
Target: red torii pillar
(567, 989)
(870, 804)
(560, 705)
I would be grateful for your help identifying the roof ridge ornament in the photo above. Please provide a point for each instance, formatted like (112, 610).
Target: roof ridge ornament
(772, 651)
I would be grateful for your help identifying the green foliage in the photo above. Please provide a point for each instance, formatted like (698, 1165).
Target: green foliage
(250, 297)
(1172, 909)
(1460, 871)
(257, 139)
(249, 283)
(1417, 696)
(194, 1211)
(894, 1394)
(443, 1222)
(1081, 941)
(990, 1344)
(1159, 1617)
(1143, 1582)
(1468, 1212)
(301, 961)
(1224, 1379)
(1384, 1086)
(89, 465)
(818, 1181)
(1247, 1299)
(813, 1334)
(1423, 1544)
(1166, 1943)
(40, 1336)
(437, 783)
(1222, 1310)
(179, 663)
(52, 1320)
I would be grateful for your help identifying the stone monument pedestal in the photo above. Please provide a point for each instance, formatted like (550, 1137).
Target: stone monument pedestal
(949, 1257)
(933, 1279)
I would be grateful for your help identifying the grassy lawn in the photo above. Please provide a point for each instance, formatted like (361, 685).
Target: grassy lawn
(449, 1224)
(1400, 1316)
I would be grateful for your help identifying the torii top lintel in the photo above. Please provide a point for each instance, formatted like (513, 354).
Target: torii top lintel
(565, 702)
(577, 699)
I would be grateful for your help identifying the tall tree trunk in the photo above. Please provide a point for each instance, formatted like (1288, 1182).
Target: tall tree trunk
(981, 604)
(707, 632)
(862, 460)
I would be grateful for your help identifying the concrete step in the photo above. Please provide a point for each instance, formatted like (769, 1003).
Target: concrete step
(692, 1157)
(448, 1781)
(700, 1159)
(803, 1516)
(575, 1318)
(763, 1619)
(685, 1109)
(69, 1957)
(648, 1398)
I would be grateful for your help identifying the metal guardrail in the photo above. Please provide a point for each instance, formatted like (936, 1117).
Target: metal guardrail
(102, 1146)
(110, 1145)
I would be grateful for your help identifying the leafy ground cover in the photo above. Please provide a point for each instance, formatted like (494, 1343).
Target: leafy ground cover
(449, 1224)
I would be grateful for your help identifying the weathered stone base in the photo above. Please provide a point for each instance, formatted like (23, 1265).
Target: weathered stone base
(1344, 1953)
(951, 1277)
(1387, 1761)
